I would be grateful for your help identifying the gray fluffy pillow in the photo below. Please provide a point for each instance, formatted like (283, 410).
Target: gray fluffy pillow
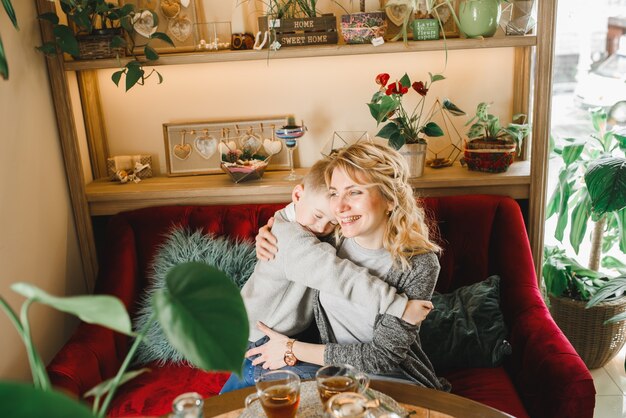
(235, 258)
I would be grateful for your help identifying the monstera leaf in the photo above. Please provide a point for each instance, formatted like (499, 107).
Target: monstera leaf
(606, 182)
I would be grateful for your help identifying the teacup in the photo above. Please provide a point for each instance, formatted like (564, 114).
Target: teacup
(279, 394)
(333, 379)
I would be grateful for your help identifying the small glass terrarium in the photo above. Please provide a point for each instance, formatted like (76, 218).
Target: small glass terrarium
(213, 36)
(245, 158)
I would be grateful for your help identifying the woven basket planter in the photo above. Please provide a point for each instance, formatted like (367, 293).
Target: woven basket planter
(489, 156)
(97, 45)
(595, 342)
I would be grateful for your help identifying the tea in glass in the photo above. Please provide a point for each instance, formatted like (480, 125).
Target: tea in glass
(278, 392)
(332, 380)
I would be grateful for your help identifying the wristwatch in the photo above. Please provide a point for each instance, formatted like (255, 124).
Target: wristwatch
(290, 358)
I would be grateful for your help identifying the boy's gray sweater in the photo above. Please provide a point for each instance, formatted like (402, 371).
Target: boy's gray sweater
(396, 344)
(279, 292)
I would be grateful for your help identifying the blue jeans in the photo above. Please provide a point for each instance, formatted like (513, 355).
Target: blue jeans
(250, 373)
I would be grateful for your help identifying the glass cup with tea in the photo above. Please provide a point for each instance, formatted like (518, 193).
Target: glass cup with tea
(278, 392)
(334, 379)
(353, 405)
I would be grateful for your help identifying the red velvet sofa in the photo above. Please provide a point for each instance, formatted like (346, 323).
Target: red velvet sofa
(481, 235)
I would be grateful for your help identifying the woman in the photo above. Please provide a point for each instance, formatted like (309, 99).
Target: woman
(384, 230)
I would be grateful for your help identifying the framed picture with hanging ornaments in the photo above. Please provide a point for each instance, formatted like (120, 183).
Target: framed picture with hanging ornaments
(176, 18)
(193, 148)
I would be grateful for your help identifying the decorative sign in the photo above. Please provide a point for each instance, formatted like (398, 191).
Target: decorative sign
(425, 29)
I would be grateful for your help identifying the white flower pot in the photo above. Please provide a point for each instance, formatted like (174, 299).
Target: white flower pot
(415, 155)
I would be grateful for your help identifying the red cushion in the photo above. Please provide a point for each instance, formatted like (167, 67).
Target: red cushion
(492, 387)
(152, 393)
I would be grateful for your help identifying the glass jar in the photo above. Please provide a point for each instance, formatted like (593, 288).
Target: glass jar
(188, 405)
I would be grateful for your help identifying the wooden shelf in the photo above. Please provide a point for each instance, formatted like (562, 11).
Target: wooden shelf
(107, 198)
(316, 51)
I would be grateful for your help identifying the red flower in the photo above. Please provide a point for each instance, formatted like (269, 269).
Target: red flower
(382, 79)
(419, 87)
(396, 88)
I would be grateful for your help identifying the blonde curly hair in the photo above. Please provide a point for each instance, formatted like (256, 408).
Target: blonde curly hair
(407, 233)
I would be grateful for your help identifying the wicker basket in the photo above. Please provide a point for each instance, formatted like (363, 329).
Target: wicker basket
(489, 156)
(595, 342)
(97, 45)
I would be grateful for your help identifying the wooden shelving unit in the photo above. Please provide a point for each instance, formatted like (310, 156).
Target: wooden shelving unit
(525, 179)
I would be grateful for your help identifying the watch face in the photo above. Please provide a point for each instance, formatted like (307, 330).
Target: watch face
(290, 359)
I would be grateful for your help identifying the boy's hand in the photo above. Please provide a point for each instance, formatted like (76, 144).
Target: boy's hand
(416, 311)
(266, 247)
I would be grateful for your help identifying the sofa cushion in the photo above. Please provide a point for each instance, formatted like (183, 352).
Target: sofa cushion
(152, 393)
(490, 386)
(466, 328)
(234, 257)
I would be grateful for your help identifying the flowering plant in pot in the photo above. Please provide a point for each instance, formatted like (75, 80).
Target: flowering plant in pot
(405, 125)
(101, 29)
(490, 146)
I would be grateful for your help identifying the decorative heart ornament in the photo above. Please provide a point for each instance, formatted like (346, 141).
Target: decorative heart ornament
(180, 28)
(226, 147)
(272, 147)
(170, 8)
(182, 151)
(250, 143)
(206, 146)
(398, 11)
(144, 23)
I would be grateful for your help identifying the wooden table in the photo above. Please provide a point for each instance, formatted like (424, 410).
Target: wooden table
(427, 403)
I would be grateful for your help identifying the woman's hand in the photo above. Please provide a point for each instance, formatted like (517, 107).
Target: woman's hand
(416, 311)
(271, 355)
(266, 247)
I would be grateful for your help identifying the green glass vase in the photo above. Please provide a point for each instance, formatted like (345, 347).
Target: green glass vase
(479, 17)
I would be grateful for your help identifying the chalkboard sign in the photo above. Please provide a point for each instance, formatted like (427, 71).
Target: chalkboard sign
(425, 29)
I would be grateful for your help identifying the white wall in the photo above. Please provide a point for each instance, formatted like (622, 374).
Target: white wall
(37, 237)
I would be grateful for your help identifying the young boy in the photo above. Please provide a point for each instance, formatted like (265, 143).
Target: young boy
(279, 292)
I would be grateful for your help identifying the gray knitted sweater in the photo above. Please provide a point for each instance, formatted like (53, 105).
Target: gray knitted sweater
(396, 344)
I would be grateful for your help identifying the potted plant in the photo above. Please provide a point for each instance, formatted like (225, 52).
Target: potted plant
(181, 314)
(101, 29)
(591, 188)
(4, 65)
(490, 146)
(406, 130)
(362, 27)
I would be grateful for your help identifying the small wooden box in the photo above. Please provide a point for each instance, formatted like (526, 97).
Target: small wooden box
(302, 31)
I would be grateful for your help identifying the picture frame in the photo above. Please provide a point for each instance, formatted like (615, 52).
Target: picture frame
(450, 28)
(175, 20)
(192, 148)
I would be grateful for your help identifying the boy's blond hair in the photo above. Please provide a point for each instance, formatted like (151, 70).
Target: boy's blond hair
(367, 163)
(315, 180)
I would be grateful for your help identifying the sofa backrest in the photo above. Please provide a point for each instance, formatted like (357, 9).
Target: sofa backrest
(465, 226)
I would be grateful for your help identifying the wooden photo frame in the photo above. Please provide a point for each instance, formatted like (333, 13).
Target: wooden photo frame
(175, 20)
(192, 148)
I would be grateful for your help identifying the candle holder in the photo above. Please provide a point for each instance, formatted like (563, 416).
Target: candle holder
(290, 134)
(212, 36)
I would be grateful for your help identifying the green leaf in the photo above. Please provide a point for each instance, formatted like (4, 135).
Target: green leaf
(606, 182)
(117, 42)
(160, 77)
(554, 278)
(66, 40)
(614, 263)
(203, 316)
(48, 48)
(598, 118)
(579, 221)
(571, 152)
(397, 140)
(615, 286)
(405, 81)
(150, 53)
(8, 7)
(386, 106)
(163, 37)
(616, 318)
(4, 65)
(620, 217)
(388, 130)
(432, 129)
(104, 310)
(621, 141)
(436, 77)
(24, 401)
(100, 390)
(566, 191)
(50, 17)
(116, 76)
(134, 73)
(452, 108)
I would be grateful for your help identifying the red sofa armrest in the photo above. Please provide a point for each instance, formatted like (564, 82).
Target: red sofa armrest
(551, 378)
(94, 353)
